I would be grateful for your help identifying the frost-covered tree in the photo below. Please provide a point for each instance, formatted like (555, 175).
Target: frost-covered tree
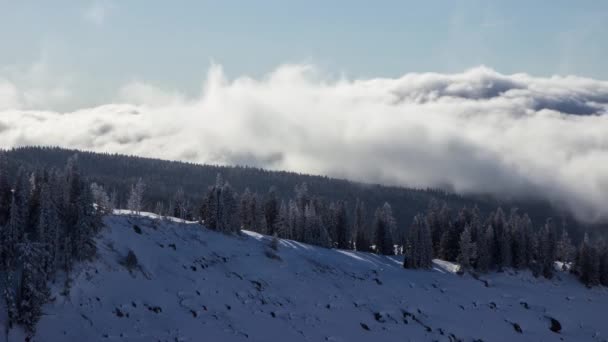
(565, 250)
(340, 224)
(282, 225)
(588, 263)
(361, 229)
(315, 232)
(33, 290)
(228, 220)
(485, 259)
(271, 210)
(48, 230)
(101, 199)
(547, 246)
(5, 190)
(384, 226)
(136, 196)
(418, 248)
(180, 205)
(467, 251)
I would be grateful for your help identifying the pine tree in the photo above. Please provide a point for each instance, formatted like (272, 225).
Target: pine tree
(467, 251)
(604, 265)
(245, 215)
(271, 210)
(101, 199)
(564, 249)
(48, 228)
(588, 263)
(135, 201)
(384, 224)
(411, 251)
(341, 226)
(5, 190)
(426, 245)
(547, 243)
(484, 254)
(33, 291)
(228, 210)
(362, 241)
(282, 225)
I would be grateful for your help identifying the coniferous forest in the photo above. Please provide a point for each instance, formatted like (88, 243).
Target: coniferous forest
(52, 202)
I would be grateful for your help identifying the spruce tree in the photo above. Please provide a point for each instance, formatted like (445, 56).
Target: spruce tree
(467, 251)
(564, 249)
(5, 190)
(484, 254)
(271, 210)
(384, 224)
(33, 291)
(360, 227)
(341, 226)
(547, 244)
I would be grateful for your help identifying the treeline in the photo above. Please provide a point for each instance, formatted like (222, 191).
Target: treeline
(478, 243)
(47, 222)
(165, 178)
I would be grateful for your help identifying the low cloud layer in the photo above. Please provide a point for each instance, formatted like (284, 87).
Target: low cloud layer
(473, 132)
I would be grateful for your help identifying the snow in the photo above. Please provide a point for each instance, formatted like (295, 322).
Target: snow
(193, 284)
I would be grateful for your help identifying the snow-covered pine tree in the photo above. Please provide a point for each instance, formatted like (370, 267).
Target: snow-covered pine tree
(506, 253)
(384, 225)
(271, 210)
(245, 217)
(229, 221)
(282, 225)
(5, 190)
(135, 201)
(564, 249)
(302, 196)
(101, 199)
(412, 246)
(467, 251)
(426, 246)
(547, 244)
(13, 231)
(361, 229)
(33, 290)
(588, 263)
(311, 223)
(179, 204)
(604, 265)
(48, 229)
(484, 255)
(87, 224)
(341, 226)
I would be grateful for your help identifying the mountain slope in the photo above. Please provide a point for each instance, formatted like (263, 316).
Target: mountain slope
(192, 284)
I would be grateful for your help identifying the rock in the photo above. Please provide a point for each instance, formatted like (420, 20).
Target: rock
(137, 229)
(556, 326)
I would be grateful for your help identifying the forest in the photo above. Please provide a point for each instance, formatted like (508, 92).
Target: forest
(51, 211)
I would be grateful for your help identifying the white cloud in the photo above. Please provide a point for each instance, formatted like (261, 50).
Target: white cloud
(472, 132)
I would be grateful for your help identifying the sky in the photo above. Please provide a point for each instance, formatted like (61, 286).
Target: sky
(99, 46)
(506, 98)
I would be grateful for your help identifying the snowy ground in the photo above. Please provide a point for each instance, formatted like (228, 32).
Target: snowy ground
(193, 284)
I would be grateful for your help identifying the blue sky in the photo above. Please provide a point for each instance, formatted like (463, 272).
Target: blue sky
(101, 45)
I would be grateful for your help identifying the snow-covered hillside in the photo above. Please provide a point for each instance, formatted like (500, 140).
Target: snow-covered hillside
(193, 284)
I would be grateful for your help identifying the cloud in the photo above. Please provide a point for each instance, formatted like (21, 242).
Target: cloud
(473, 132)
(34, 86)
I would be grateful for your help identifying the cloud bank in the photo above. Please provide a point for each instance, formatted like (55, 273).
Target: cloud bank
(473, 132)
